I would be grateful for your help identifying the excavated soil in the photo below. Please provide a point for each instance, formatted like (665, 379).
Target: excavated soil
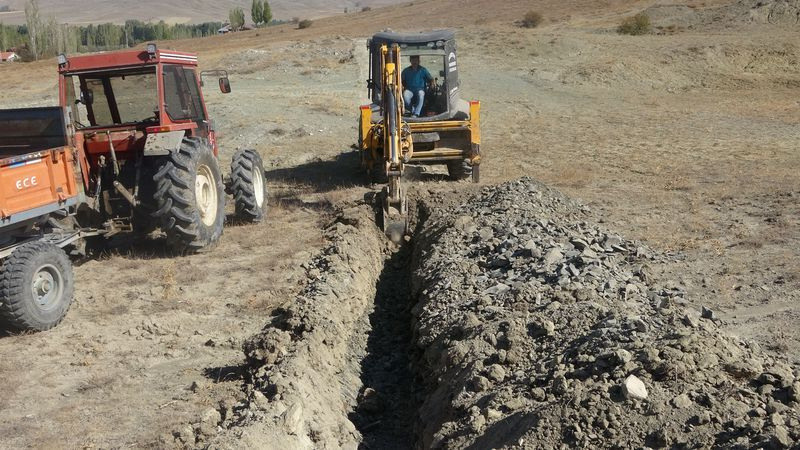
(538, 329)
(335, 367)
(681, 145)
(510, 320)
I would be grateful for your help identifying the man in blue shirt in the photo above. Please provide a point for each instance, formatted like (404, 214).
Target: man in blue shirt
(415, 79)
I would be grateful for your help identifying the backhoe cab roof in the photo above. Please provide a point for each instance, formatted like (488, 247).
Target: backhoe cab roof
(124, 59)
(389, 37)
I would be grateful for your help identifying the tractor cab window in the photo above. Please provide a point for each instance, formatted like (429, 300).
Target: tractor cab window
(113, 98)
(181, 94)
(435, 94)
(77, 109)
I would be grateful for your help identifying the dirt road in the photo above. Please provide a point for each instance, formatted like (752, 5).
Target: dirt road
(685, 140)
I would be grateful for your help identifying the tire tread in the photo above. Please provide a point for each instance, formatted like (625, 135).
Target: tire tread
(13, 311)
(174, 197)
(243, 164)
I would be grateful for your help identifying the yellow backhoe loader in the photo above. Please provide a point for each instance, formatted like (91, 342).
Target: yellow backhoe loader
(446, 129)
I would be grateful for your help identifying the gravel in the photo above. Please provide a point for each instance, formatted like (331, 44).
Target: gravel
(538, 328)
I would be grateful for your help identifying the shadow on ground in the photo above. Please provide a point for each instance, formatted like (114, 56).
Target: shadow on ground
(322, 175)
(345, 171)
(387, 404)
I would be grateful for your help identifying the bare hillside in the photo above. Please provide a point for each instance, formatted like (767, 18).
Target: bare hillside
(176, 11)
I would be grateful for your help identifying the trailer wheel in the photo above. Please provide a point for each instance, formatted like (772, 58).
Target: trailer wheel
(36, 287)
(248, 187)
(190, 198)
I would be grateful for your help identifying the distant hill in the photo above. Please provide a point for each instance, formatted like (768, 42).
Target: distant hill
(175, 11)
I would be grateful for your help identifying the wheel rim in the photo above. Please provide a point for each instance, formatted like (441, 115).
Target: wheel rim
(47, 286)
(205, 194)
(258, 186)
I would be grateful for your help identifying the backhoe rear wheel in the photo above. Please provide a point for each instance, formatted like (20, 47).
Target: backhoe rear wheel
(248, 187)
(36, 287)
(458, 170)
(190, 197)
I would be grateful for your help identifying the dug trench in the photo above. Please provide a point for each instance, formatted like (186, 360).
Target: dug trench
(333, 366)
(510, 318)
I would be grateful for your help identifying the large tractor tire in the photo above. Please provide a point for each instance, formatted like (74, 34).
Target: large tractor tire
(143, 221)
(190, 197)
(36, 287)
(248, 187)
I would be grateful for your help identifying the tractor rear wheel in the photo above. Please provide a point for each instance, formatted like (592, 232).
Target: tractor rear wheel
(190, 198)
(248, 187)
(36, 287)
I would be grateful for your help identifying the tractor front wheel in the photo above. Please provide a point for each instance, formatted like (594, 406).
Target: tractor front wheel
(190, 197)
(248, 187)
(36, 287)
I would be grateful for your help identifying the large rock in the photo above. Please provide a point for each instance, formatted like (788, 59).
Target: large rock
(634, 388)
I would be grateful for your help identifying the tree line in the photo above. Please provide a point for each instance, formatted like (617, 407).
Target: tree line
(260, 14)
(44, 37)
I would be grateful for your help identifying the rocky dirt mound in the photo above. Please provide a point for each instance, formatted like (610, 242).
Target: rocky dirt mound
(774, 12)
(539, 328)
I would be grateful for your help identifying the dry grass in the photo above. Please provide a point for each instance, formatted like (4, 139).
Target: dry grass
(636, 25)
(678, 183)
(532, 19)
(190, 273)
(97, 382)
(168, 282)
(573, 177)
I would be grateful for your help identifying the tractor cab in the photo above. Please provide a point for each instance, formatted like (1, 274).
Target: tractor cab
(123, 97)
(437, 54)
(146, 144)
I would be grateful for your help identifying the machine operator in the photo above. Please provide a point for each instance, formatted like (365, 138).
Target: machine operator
(415, 79)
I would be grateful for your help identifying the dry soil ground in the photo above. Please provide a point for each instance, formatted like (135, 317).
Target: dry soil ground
(685, 139)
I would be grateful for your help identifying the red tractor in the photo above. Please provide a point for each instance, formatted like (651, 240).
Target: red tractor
(130, 149)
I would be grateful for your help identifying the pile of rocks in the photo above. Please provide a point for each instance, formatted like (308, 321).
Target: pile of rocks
(774, 12)
(537, 327)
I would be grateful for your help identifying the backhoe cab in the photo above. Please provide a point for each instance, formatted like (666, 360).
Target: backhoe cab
(446, 132)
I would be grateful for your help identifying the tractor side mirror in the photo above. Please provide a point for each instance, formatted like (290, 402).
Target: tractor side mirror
(222, 75)
(87, 97)
(225, 85)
